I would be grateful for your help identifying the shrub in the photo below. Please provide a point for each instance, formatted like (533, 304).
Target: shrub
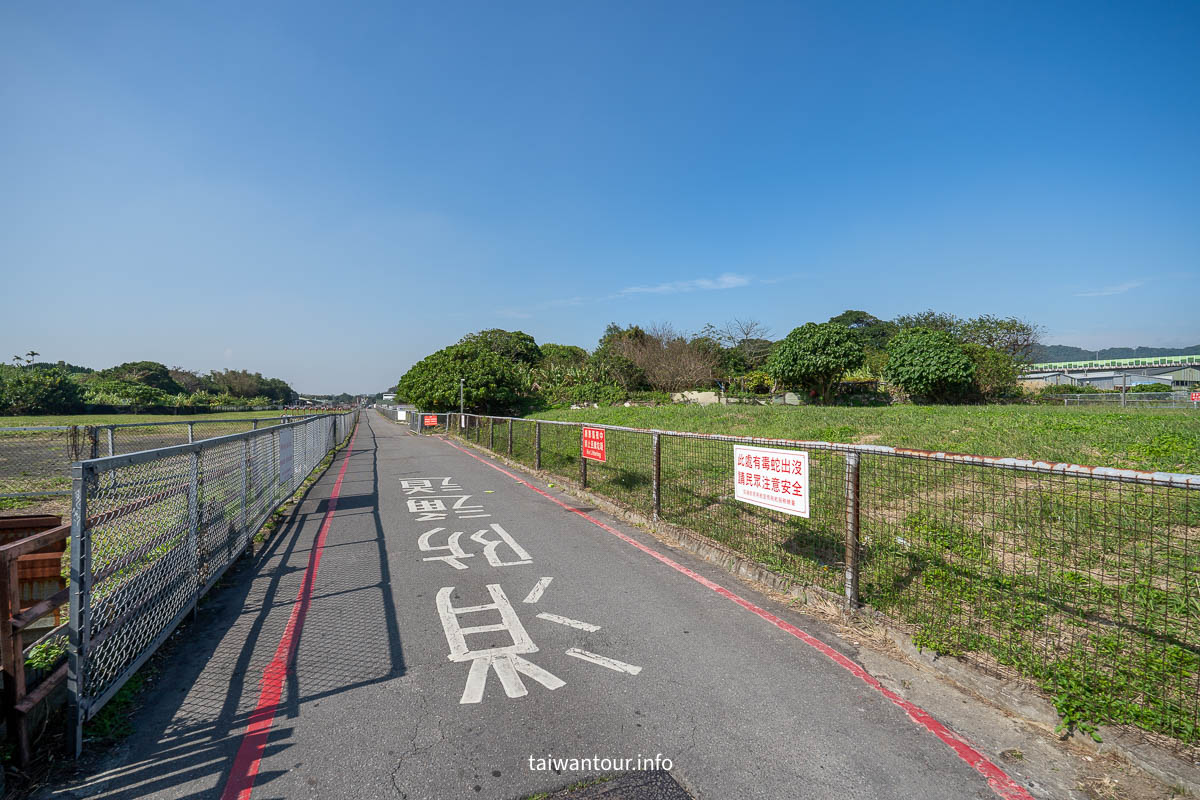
(600, 393)
(929, 365)
(39, 391)
(125, 393)
(815, 356)
(996, 372)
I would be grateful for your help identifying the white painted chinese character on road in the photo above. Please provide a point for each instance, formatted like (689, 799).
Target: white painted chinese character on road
(454, 551)
(508, 660)
(435, 508)
(411, 486)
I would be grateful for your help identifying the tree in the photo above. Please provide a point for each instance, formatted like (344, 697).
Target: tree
(1015, 337)
(876, 332)
(563, 355)
(929, 364)
(491, 380)
(815, 356)
(930, 320)
(146, 373)
(667, 359)
(516, 346)
(749, 337)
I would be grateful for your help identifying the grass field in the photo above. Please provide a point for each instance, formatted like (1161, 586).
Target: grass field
(142, 419)
(1089, 587)
(1166, 439)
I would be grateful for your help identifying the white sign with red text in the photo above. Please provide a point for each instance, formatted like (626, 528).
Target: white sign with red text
(775, 479)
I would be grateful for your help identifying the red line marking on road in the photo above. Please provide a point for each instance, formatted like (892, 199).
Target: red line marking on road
(1003, 785)
(270, 689)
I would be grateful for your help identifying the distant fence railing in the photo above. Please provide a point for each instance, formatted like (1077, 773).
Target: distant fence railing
(152, 531)
(1131, 399)
(35, 461)
(1085, 579)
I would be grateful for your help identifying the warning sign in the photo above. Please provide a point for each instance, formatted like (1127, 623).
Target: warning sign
(1196, 397)
(593, 444)
(775, 479)
(431, 421)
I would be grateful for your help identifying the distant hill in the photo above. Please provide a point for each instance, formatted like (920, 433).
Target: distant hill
(1062, 352)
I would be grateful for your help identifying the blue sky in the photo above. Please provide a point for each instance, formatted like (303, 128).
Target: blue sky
(328, 192)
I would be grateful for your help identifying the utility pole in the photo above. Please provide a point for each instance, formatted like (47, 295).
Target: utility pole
(461, 408)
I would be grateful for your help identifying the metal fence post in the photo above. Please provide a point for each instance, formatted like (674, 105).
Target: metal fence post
(491, 433)
(656, 478)
(582, 468)
(111, 451)
(246, 487)
(537, 445)
(79, 620)
(852, 530)
(254, 424)
(510, 437)
(191, 432)
(93, 441)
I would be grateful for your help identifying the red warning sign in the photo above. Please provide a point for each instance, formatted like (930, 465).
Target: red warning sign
(431, 420)
(593, 444)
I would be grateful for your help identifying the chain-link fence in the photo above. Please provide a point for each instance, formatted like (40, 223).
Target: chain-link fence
(36, 461)
(153, 530)
(1086, 580)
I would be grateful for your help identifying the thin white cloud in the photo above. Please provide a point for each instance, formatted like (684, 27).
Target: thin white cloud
(1111, 290)
(728, 280)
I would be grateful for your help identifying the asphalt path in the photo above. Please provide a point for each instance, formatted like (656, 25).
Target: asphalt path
(587, 647)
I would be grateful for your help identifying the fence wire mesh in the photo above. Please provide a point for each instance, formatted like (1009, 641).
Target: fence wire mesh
(1085, 580)
(152, 531)
(36, 461)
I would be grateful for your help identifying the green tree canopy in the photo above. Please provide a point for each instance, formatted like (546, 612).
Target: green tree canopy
(146, 373)
(516, 346)
(491, 380)
(875, 331)
(563, 355)
(929, 364)
(815, 356)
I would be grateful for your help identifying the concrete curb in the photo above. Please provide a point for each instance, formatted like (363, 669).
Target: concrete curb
(1018, 698)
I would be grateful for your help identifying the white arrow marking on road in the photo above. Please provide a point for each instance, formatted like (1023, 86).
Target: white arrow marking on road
(535, 593)
(571, 623)
(604, 661)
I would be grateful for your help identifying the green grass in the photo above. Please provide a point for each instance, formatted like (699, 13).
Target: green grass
(117, 419)
(1160, 439)
(1087, 587)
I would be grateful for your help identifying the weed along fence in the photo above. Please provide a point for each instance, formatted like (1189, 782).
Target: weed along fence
(152, 531)
(35, 461)
(1086, 580)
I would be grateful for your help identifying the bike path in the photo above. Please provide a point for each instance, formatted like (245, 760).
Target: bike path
(461, 629)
